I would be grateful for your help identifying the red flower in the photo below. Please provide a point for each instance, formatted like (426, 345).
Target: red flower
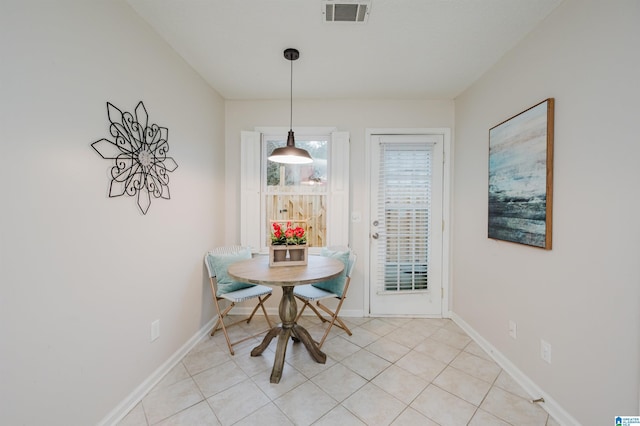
(289, 236)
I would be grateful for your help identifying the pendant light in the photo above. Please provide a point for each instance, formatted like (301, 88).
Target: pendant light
(290, 154)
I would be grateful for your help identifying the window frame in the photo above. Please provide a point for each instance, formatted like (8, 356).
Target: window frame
(252, 189)
(267, 191)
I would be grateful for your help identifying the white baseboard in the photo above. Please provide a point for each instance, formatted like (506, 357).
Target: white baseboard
(122, 409)
(344, 313)
(534, 391)
(550, 405)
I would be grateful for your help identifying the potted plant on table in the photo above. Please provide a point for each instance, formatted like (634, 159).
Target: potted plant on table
(283, 240)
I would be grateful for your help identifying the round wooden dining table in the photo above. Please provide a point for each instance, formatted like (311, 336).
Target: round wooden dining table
(258, 271)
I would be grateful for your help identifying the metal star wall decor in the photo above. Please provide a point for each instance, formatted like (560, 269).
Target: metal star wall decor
(139, 150)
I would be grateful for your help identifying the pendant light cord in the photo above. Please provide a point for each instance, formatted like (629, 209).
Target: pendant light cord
(291, 96)
(290, 154)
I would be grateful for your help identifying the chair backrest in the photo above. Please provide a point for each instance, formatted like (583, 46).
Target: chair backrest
(340, 284)
(352, 263)
(220, 250)
(347, 281)
(352, 257)
(217, 261)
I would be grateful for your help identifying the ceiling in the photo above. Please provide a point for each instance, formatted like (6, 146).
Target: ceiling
(408, 49)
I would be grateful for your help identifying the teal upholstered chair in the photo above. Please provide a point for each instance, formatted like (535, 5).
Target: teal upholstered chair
(224, 287)
(335, 288)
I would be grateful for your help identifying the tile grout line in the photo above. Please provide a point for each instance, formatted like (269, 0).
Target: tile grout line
(308, 377)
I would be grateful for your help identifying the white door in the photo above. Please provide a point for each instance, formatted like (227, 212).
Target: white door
(406, 245)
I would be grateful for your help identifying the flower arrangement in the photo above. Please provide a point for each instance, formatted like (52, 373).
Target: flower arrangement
(288, 236)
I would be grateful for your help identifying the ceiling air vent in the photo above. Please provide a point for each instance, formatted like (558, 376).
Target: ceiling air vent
(346, 11)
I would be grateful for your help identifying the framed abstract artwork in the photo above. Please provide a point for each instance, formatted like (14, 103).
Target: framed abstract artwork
(521, 177)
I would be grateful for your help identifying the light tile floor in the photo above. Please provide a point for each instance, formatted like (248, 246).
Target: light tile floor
(392, 371)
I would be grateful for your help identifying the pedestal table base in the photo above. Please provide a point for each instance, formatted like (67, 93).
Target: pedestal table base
(288, 328)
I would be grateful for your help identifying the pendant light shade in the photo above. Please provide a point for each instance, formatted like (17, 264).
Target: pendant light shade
(290, 154)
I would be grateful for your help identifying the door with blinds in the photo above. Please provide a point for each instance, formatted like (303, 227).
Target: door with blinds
(406, 225)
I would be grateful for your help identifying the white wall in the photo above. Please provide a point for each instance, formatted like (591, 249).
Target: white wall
(83, 275)
(353, 116)
(583, 296)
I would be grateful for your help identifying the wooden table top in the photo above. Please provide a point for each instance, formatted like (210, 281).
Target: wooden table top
(258, 271)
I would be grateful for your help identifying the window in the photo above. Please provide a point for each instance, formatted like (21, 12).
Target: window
(316, 195)
(297, 193)
(404, 206)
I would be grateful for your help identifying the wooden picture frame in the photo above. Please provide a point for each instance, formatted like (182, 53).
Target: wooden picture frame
(521, 177)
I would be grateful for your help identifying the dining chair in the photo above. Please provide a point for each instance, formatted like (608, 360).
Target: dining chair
(223, 287)
(335, 288)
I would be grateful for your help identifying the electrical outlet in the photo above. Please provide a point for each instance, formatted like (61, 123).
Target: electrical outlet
(545, 351)
(513, 329)
(155, 330)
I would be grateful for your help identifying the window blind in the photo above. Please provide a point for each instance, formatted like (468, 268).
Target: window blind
(404, 208)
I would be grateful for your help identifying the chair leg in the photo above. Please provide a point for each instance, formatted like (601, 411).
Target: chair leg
(326, 332)
(260, 304)
(255, 309)
(318, 314)
(264, 310)
(215, 327)
(335, 320)
(310, 305)
(221, 316)
(305, 303)
(340, 324)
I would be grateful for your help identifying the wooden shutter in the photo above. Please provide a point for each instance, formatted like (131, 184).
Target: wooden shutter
(338, 208)
(250, 218)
